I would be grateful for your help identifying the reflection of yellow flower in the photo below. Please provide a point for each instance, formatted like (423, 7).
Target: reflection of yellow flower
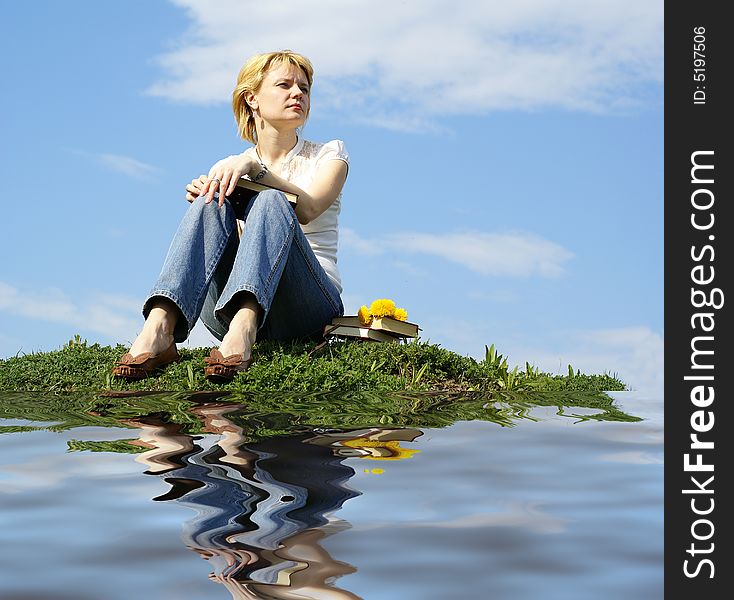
(380, 450)
(382, 308)
(364, 315)
(401, 314)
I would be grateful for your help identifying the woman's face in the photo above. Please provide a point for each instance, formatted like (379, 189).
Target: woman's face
(284, 95)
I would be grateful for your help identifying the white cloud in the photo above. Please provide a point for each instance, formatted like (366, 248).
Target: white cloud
(127, 165)
(634, 458)
(510, 254)
(634, 354)
(514, 254)
(120, 163)
(517, 515)
(402, 64)
(112, 315)
(460, 335)
(109, 315)
(349, 238)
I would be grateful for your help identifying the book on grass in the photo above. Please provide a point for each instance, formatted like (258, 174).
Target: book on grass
(246, 190)
(388, 324)
(364, 333)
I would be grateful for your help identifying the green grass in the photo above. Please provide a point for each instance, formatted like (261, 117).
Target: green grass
(263, 415)
(337, 367)
(345, 385)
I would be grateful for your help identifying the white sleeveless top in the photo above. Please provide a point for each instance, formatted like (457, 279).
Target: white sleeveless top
(299, 167)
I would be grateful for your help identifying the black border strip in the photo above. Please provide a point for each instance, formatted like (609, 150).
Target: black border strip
(697, 509)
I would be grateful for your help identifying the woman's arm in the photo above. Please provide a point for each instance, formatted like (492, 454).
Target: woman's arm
(325, 189)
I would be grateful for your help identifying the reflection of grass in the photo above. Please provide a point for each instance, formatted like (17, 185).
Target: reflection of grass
(265, 415)
(342, 367)
(119, 446)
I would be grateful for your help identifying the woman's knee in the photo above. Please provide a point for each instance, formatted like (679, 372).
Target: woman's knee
(210, 215)
(270, 204)
(198, 209)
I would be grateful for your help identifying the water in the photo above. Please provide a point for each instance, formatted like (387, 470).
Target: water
(202, 498)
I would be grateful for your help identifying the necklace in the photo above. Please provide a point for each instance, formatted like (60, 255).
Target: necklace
(270, 167)
(274, 166)
(260, 158)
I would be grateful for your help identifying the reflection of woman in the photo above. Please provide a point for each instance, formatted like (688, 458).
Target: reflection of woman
(261, 508)
(279, 279)
(302, 584)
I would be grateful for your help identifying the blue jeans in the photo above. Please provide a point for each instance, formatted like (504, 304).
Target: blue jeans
(208, 265)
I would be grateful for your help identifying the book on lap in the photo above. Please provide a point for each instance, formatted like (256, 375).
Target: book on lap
(247, 189)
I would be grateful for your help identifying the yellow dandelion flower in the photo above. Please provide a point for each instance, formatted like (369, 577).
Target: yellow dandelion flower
(380, 450)
(382, 307)
(401, 314)
(364, 315)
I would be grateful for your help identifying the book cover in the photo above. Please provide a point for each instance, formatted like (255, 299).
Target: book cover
(403, 328)
(246, 190)
(362, 332)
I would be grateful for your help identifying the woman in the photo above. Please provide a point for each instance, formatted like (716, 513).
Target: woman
(278, 279)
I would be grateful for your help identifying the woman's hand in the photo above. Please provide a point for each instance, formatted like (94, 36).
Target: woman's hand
(224, 174)
(194, 189)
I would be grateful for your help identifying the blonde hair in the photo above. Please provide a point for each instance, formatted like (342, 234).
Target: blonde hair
(250, 79)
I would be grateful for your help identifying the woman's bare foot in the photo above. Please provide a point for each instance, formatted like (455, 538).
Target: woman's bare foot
(157, 333)
(154, 348)
(234, 354)
(242, 330)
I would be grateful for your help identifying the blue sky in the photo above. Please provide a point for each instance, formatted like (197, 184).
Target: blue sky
(506, 179)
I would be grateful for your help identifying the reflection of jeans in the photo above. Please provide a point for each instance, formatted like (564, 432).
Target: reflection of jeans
(207, 266)
(290, 486)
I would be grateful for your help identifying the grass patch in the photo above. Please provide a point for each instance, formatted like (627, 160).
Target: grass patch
(338, 367)
(263, 415)
(289, 388)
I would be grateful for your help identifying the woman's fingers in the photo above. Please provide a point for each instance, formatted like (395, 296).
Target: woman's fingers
(227, 179)
(194, 189)
(192, 192)
(232, 184)
(224, 174)
(210, 187)
(224, 185)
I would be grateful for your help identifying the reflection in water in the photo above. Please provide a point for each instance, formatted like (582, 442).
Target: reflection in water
(567, 504)
(262, 509)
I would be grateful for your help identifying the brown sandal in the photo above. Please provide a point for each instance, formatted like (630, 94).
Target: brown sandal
(144, 365)
(222, 368)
